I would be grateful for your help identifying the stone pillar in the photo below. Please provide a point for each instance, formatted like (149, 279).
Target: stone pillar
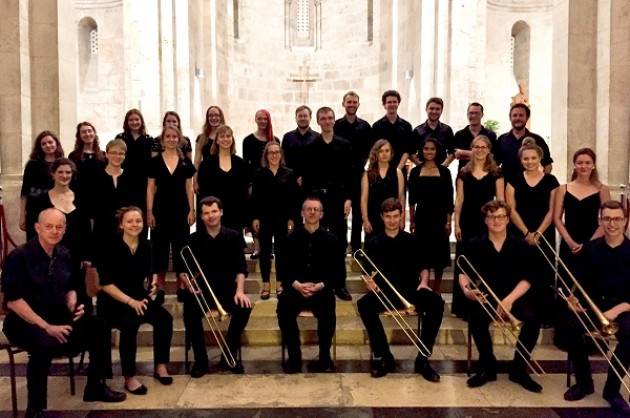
(574, 80)
(167, 52)
(183, 71)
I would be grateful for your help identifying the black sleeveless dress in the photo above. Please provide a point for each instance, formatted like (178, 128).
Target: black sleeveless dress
(380, 189)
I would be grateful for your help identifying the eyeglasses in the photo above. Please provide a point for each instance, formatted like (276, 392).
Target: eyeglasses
(312, 209)
(117, 153)
(500, 217)
(616, 219)
(480, 147)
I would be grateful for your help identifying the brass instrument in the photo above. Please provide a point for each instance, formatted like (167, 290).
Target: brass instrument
(500, 316)
(599, 334)
(370, 270)
(196, 275)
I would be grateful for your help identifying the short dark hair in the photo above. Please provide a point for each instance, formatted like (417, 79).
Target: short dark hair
(475, 104)
(324, 109)
(391, 204)
(389, 93)
(436, 100)
(494, 205)
(528, 111)
(211, 200)
(303, 107)
(612, 204)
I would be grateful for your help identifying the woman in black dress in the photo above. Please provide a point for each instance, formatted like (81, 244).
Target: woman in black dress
(531, 196)
(170, 206)
(90, 161)
(477, 183)
(171, 118)
(140, 147)
(226, 176)
(124, 301)
(204, 141)
(36, 180)
(430, 210)
(382, 180)
(275, 210)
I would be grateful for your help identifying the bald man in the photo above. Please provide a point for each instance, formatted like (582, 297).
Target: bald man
(44, 318)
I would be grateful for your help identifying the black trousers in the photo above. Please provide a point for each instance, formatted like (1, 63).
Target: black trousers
(479, 321)
(322, 304)
(579, 346)
(128, 322)
(272, 236)
(357, 221)
(334, 221)
(193, 321)
(89, 333)
(429, 305)
(169, 234)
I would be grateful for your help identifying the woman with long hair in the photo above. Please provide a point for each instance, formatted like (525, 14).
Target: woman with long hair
(171, 118)
(36, 180)
(254, 143)
(205, 140)
(170, 205)
(124, 301)
(226, 176)
(275, 211)
(382, 180)
(479, 182)
(430, 211)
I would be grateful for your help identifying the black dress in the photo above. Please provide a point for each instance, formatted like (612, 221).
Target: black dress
(232, 187)
(36, 182)
(253, 149)
(432, 199)
(378, 190)
(205, 150)
(89, 165)
(136, 164)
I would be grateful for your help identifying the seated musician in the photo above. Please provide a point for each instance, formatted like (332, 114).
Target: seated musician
(502, 261)
(44, 318)
(219, 251)
(607, 282)
(396, 254)
(315, 262)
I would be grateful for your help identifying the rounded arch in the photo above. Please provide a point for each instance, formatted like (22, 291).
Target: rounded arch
(88, 52)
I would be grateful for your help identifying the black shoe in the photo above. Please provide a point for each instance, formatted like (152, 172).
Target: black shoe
(578, 392)
(618, 404)
(423, 368)
(380, 366)
(140, 390)
(199, 370)
(343, 294)
(237, 369)
(323, 365)
(292, 366)
(102, 393)
(480, 379)
(523, 379)
(34, 413)
(165, 380)
(160, 297)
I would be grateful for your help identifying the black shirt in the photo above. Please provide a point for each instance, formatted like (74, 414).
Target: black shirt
(137, 161)
(205, 149)
(314, 257)
(607, 272)
(359, 134)
(506, 152)
(253, 149)
(293, 143)
(463, 140)
(42, 281)
(442, 133)
(502, 269)
(170, 197)
(532, 202)
(397, 133)
(398, 258)
(221, 258)
(275, 197)
(89, 165)
(111, 198)
(36, 182)
(326, 167)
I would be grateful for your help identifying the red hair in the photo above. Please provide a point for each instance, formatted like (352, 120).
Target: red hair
(269, 130)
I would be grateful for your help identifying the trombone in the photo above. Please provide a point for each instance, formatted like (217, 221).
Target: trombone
(599, 334)
(371, 271)
(197, 281)
(506, 321)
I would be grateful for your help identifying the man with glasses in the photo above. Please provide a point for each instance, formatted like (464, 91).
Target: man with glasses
(502, 260)
(314, 264)
(607, 281)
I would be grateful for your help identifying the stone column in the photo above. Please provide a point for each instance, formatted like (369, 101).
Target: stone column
(574, 80)
(183, 71)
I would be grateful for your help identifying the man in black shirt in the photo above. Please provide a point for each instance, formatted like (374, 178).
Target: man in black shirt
(359, 133)
(433, 128)
(464, 137)
(508, 144)
(607, 281)
(44, 318)
(397, 255)
(328, 175)
(219, 251)
(293, 142)
(395, 129)
(502, 261)
(314, 264)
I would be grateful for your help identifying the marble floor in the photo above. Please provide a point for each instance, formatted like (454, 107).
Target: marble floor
(266, 391)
